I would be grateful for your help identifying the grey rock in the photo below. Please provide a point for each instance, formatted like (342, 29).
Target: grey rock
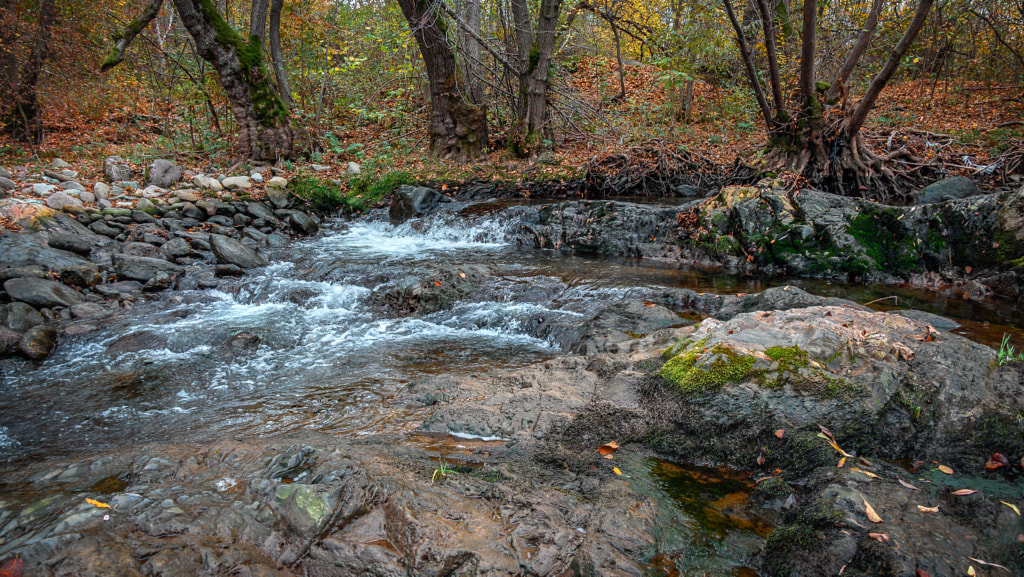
(256, 177)
(176, 248)
(60, 199)
(142, 269)
(236, 183)
(72, 185)
(101, 190)
(119, 289)
(952, 188)
(163, 173)
(81, 276)
(146, 206)
(258, 210)
(21, 317)
(7, 183)
(230, 251)
(41, 293)
(275, 240)
(302, 223)
(38, 342)
(116, 169)
(413, 202)
(353, 169)
(84, 310)
(87, 197)
(142, 249)
(223, 270)
(9, 341)
(277, 194)
(140, 217)
(70, 242)
(160, 281)
(44, 190)
(100, 227)
(136, 342)
(4, 173)
(59, 164)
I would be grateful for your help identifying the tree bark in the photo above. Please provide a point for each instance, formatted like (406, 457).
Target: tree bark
(258, 20)
(768, 25)
(265, 131)
(531, 123)
(472, 50)
(23, 120)
(8, 53)
(458, 128)
(280, 69)
(748, 62)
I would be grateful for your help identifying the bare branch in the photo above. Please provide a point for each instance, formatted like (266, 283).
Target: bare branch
(748, 60)
(838, 86)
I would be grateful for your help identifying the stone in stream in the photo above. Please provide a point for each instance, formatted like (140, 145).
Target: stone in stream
(9, 341)
(84, 276)
(952, 188)
(69, 242)
(176, 248)
(302, 223)
(142, 249)
(42, 293)
(100, 227)
(38, 342)
(20, 317)
(230, 251)
(276, 192)
(142, 269)
(136, 342)
(413, 202)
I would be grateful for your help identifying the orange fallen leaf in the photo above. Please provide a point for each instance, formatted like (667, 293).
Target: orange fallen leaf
(437, 283)
(12, 568)
(1020, 538)
(924, 509)
(649, 304)
(922, 573)
(609, 456)
(995, 461)
(963, 492)
(777, 472)
(617, 471)
(945, 469)
(462, 275)
(780, 433)
(907, 485)
(760, 460)
(841, 462)
(880, 537)
(98, 504)
(870, 511)
(862, 471)
(608, 448)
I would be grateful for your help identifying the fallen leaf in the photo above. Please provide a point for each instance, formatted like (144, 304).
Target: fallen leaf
(760, 460)
(462, 275)
(841, 462)
(1012, 506)
(967, 269)
(922, 573)
(963, 492)
(617, 471)
(995, 461)
(1020, 538)
(437, 283)
(649, 304)
(916, 465)
(780, 433)
(971, 571)
(12, 568)
(608, 448)
(945, 469)
(98, 504)
(924, 509)
(907, 485)
(868, 473)
(777, 472)
(609, 456)
(880, 537)
(872, 516)
(987, 564)
(866, 462)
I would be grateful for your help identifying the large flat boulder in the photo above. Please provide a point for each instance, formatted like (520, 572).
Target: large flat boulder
(42, 293)
(230, 251)
(141, 268)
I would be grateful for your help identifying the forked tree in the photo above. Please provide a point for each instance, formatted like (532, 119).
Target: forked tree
(265, 130)
(801, 139)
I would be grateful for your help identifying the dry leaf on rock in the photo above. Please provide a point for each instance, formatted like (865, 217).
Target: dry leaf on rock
(907, 485)
(963, 492)
(945, 469)
(880, 537)
(924, 509)
(608, 448)
(870, 511)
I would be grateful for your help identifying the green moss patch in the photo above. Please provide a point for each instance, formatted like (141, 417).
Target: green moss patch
(885, 240)
(695, 370)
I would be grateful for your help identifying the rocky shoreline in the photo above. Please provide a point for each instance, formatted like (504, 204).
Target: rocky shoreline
(74, 257)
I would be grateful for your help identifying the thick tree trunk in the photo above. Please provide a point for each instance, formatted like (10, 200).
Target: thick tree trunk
(458, 128)
(280, 70)
(258, 20)
(265, 131)
(23, 119)
(8, 54)
(534, 113)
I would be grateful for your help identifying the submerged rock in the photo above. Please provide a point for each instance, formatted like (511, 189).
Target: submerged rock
(413, 202)
(38, 342)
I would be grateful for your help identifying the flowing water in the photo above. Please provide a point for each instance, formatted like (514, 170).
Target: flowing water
(329, 360)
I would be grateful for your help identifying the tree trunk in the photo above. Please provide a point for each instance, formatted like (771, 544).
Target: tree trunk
(618, 59)
(265, 131)
(472, 50)
(531, 124)
(8, 54)
(458, 128)
(280, 70)
(23, 120)
(258, 20)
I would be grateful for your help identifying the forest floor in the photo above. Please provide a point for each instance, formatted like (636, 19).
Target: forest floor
(951, 128)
